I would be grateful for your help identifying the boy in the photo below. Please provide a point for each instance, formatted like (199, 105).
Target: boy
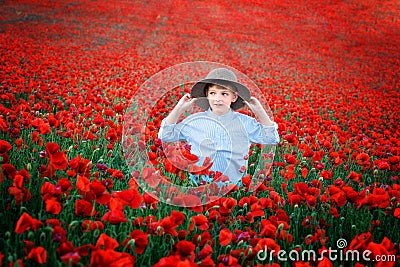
(219, 132)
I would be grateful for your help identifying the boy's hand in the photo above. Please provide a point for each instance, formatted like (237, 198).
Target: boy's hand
(185, 102)
(254, 104)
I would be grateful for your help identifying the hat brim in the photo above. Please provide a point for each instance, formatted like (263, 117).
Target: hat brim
(198, 91)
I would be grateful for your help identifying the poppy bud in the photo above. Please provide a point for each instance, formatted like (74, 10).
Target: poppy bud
(96, 233)
(131, 242)
(72, 224)
(31, 235)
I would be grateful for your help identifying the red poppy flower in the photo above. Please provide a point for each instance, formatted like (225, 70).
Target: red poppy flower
(117, 174)
(81, 165)
(109, 257)
(105, 242)
(20, 194)
(4, 147)
(205, 252)
(167, 225)
(203, 169)
(178, 216)
(114, 216)
(83, 184)
(268, 244)
(228, 260)
(291, 139)
(140, 241)
(3, 127)
(337, 196)
(130, 197)
(71, 257)
(26, 222)
(185, 248)
(53, 206)
(65, 184)
(290, 159)
(360, 242)
(151, 176)
(354, 176)
(397, 213)
(325, 262)
(268, 229)
(225, 237)
(53, 222)
(378, 251)
(84, 208)
(38, 254)
(18, 181)
(192, 202)
(88, 225)
(58, 159)
(175, 260)
(150, 199)
(227, 205)
(200, 221)
(7, 170)
(59, 234)
(301, 264)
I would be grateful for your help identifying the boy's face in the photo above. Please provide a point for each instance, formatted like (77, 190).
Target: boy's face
(220, 99)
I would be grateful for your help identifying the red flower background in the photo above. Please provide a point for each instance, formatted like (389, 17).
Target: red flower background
(328, 69)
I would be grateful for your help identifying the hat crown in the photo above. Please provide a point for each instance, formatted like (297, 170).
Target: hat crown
(222, 74)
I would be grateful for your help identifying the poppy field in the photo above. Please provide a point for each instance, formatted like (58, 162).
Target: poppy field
(329, 192)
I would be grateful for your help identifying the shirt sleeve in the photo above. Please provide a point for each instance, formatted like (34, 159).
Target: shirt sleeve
(261, 134)
(171, 132)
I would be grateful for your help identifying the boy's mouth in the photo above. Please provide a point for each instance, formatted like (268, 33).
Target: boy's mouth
(219, 104)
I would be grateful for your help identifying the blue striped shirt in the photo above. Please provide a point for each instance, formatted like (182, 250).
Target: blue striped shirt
(224, 138)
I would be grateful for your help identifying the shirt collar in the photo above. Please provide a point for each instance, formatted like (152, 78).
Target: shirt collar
(228, 116)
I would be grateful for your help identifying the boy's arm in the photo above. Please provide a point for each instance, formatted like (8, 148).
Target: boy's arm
(184, 103)
(257, 108)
